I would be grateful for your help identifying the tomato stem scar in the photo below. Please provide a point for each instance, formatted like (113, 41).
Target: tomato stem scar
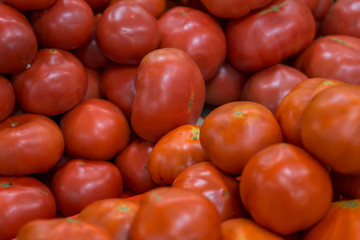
(275, 8)
(6, 185)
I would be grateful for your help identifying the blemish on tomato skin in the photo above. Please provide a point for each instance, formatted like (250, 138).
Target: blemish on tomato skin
(123, 209)
(239, 114)
(156, 196)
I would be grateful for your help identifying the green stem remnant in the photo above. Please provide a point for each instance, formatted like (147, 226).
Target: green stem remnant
(275, 8)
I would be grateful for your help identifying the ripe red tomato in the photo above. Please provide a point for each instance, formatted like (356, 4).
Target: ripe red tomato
(126, 32)
(196, 33)
(29, 4)
(18, 42)
(7, 98)
(283, 181)
(154, 7)
(80, 182)
(55, 83)
(95, 129)
(267, 36)
(235, 131)
(321, 9)
(23, 199)
(34, 143)
(93, 87)
(170, 92)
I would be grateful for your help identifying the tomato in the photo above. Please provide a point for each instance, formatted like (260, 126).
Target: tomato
(225, 86)
(29, 4)
(115, 215)
(95, 129)
(233, 8)
(18, 42)
(346, 185)
(269, 86)
(80, 182)
(311, 4)
(126, 32)
(221, 189)
(331, 227)
(118, 85)
(340, 19)
(235, 131)
(335, 57)
(174, 152)
(331, 119)
(285, 189)
(33, 142)
(173, 213)
(133, 164)
(291, 109)
(170, 92)
(23, 199)
(93, 88)
(62, 228)
(321, 9)
(267, 36)
(154, 7)
(242, 228)
(55, 83)
(67, 24)
(7, 98)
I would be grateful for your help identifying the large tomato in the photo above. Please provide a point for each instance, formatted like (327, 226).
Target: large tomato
(95, 129)
(269, 35)
(23, 199)
(30, 4)
(55, 83)
(235, 131)
(7, 98)
(29, 143)
(18, 42)
(154, 7)
(321, 10)
(170, 92)
(285, 189)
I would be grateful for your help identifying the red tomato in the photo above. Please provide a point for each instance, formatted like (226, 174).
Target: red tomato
(174, 152)
(321, 9)
(235, 131)
(118, 85)
(283, 181)
(225, 86)
(115, 215)
(233, 8)
(267, 36)
(311, 4)
(335, 57)
(170, 92)
(346, 185)
(269, 86)
(154, 7)
(62, 228)
(55, 83)
(80, 182)
(18, 42)
(29, 4)
(133, 164)
(7, 98)
(221, 189)
(332, 119)
(34, 143)
(126, 32)
(95, 129)
(23, 199)
(173, 213)
(196, 33)
(67, 24)
(93, 88)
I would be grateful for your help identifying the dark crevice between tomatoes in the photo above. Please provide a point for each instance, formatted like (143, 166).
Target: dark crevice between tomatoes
(6, 185)
(275, 8)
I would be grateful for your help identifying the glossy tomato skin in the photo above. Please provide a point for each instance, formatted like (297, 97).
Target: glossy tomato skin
(18, 42)
(154, 7)
(196, 33)
(93, 87)
(62, 228)
(133, 164)
(321, 9)
(170, 92)
(235, 131)
(23, 199)
(334, 56)
(127, 32)
(80, 182)
(7, 98)
(269, 86)
(115, 215)
(29, 4)
(334, 112)
(67, 24)
(55, 83)
(33, 142)
(95, 129)
(291, 109)
(171, 213)
(221, 189)
(270, 183)
(292, 29)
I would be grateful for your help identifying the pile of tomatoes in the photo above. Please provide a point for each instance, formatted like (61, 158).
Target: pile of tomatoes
(175, 119)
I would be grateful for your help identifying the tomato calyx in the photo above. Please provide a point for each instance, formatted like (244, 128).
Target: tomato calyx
(275, 8)
(6, 185)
